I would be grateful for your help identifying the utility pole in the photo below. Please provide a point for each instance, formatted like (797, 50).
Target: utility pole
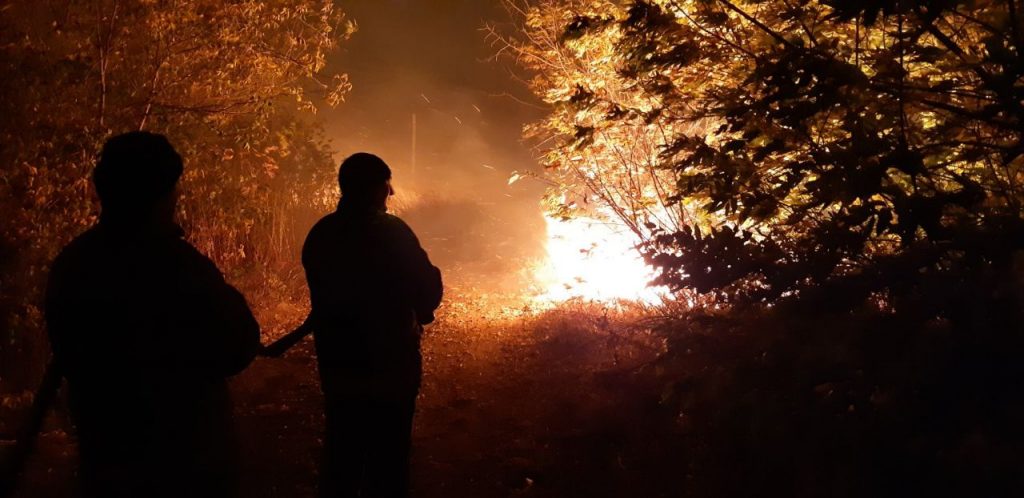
(412, 169)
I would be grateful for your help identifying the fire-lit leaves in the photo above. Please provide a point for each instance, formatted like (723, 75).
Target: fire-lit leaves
(825, 135)
(600, 143)
(230, 83)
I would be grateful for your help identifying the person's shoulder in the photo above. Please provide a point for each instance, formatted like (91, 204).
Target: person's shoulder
(397, 228)
(90, 238)
(326, 225)
(185, 249)
(330, 222)
(391, 221)
(79, 248)
(187, 258)
(322, 238)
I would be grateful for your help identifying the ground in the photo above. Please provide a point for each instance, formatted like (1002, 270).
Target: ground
(514, 403)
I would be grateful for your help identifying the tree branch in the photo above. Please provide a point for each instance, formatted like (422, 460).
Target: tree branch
(760, 25)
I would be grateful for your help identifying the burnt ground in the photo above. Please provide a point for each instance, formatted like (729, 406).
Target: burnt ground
(548, 404)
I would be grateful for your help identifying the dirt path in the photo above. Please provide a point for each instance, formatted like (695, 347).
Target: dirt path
(539, 407)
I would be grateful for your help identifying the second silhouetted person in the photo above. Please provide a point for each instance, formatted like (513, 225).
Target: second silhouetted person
(372, 288)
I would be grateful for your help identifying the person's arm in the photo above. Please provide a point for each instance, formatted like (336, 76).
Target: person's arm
(57, 313)
(424, 278)
(225, 336)
(68, 315)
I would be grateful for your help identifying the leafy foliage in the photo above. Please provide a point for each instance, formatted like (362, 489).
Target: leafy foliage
(851, 174)
(231, 83)
(601, 140)
(813, 145)
(843, 404)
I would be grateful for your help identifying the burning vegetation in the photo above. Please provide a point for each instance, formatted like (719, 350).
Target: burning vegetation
(776, 239)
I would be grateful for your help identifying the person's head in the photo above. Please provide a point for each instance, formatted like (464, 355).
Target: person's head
(365, 180)
(136, 176)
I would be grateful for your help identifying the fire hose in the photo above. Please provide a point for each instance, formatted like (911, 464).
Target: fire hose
(280, 346)
(15, 463)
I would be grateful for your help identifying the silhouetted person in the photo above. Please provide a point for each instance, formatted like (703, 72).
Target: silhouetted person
(146, 331)
(372, 288)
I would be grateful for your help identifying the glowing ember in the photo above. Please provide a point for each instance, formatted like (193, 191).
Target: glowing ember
(592, 259)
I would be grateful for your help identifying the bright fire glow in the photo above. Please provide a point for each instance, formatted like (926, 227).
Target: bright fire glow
(595, 260)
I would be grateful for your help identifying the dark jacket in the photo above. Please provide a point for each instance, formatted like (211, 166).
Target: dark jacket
(146, 331)
(372, 288)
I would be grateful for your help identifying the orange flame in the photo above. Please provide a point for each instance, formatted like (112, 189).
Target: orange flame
(594, 260)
